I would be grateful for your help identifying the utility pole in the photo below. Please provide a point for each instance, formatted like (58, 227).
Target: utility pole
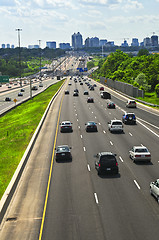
(18, 29)
(40, 57)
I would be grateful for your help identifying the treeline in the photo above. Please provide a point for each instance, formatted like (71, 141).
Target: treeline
(141, 71)
(30, 58)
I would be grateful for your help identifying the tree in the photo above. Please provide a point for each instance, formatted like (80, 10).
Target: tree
(142, 52)
(141, 80)
(157, 90)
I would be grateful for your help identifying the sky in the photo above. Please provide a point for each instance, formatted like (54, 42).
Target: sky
(57, 20)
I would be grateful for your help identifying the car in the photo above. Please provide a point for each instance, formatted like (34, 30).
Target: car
(34, 88)
(101, 89)
(105, 95)
(115, 126)
(8, 99)
(154, 189)
(0, 85)
(75, 94)
(66, 126)
(66, 92)
(94, 85)
(140, 153)
(76, 90)
(20, 94)
(22, 90)
(110, 105)
(81, 83)
(91, 88)
(9, 86)
(131, 104)
(70, 84)
(129, 118)
(63, 153)
(40, 85)
(86, 93)
(106, 163)
(91, 126)
(90, 100)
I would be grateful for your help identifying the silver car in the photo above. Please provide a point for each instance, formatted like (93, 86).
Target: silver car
(154, 189)
(131, 104)
(66, 126)
(115, 126)
(140, 153)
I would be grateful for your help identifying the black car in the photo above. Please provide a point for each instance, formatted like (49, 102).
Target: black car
(81, 83)
(91, 88)
(20, 94)
(66, 92)
(76, 90)
(75, 94)
(91, 126)
(129, 118)
(22, 90)
(85, 93)
(90, 100)
(34, 88)
(106, 163)
(8, 99)
(63, 153)
(110, 105)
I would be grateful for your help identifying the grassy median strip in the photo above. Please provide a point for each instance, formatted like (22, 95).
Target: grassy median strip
(17, 128)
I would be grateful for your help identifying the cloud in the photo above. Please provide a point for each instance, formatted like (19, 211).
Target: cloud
(132, 4)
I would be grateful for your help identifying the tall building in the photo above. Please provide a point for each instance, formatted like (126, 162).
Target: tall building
(94, 42)
(154, 41)
(8, 45)
(124, 44)
(12, 46)
(135, 42)
(3, 45)
(51, 45)
(87, 42)
(102, 42)
(77, 40)
(64, 45)
(147, 42)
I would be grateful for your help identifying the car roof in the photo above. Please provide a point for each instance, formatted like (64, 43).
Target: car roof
(106, 153)
(116, 121)
(63, 146)
(139, 147)
(65, 122)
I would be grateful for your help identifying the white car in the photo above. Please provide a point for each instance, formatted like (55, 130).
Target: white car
(140, 153)
(154, 189)
(115, 126)
(131, 104)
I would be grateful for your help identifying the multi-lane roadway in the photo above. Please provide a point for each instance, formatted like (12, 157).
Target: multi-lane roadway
(68, 200)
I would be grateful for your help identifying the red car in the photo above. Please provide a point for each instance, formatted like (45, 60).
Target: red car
(101, 88)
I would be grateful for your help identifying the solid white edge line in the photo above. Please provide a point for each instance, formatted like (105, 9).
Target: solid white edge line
(121, 159)
(148, 129)
(96, 198)
(88, 167)
(136, 184)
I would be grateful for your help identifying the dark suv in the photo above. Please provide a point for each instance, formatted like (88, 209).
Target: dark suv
(129, 118)
(106, 163)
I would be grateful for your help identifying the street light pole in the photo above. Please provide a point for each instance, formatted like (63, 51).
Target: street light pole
(40, 57)
(18, 29)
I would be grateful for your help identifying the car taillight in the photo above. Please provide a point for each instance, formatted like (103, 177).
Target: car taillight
(137, 155)
(99, 164)
(116, 164)
(148, 155)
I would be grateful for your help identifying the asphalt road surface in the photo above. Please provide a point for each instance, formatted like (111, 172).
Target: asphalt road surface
(68, 200)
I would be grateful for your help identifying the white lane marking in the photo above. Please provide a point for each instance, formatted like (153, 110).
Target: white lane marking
(104, 131)
(95, 117)
(130, 134)
(148, 129)
(81, 136)
(121, 159)
(75, 110)
(96, 198)
(99, 123)
(111, 143)
(136, 184)
(77, 120)
(92, 112)
(109, 113)
(88, 167)
(84, 149)
(76, 114)
(78, 126)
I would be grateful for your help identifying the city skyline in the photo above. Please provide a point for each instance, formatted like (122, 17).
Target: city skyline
(56, 20)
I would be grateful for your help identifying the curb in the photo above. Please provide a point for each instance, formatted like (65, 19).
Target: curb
(7, 196)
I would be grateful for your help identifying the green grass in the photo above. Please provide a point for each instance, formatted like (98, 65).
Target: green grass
(150, 98)
(17, 128)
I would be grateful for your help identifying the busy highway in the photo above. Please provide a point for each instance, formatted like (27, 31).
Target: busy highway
(68, 199)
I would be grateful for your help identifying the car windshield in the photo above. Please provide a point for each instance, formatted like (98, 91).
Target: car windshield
(66, 123)
(140, 150)
(116, 123)
(91, 123)
(107, 158)
(61, 149)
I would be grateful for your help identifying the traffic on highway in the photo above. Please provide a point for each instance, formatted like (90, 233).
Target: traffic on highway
(93, 172)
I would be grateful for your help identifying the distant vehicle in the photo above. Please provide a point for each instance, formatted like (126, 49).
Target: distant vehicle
(91, 88)
(22, 90)
(85, 93)
(131, 104)
(91, 126)
(106, 163)
(154, 189)
(40, 85)
(70, 84)
(9, 86)
(7, 99)
(110, 105)
(75, 94)
(129, 118)
(0, 85)
(58, 77)
(140, 153)
(76, 90)
(90, 100)
(81, 83)
(34, 88)
(66, 92)
(63, 153)
(101, 89)
(66, 126)
(20, 94)
(115, 126)
(15, 83)
(105, 95)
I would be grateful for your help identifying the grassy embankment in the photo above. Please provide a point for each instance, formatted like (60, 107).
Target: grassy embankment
(17, 128)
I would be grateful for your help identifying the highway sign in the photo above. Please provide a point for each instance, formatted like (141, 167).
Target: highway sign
(4, 78)
(15, 100)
